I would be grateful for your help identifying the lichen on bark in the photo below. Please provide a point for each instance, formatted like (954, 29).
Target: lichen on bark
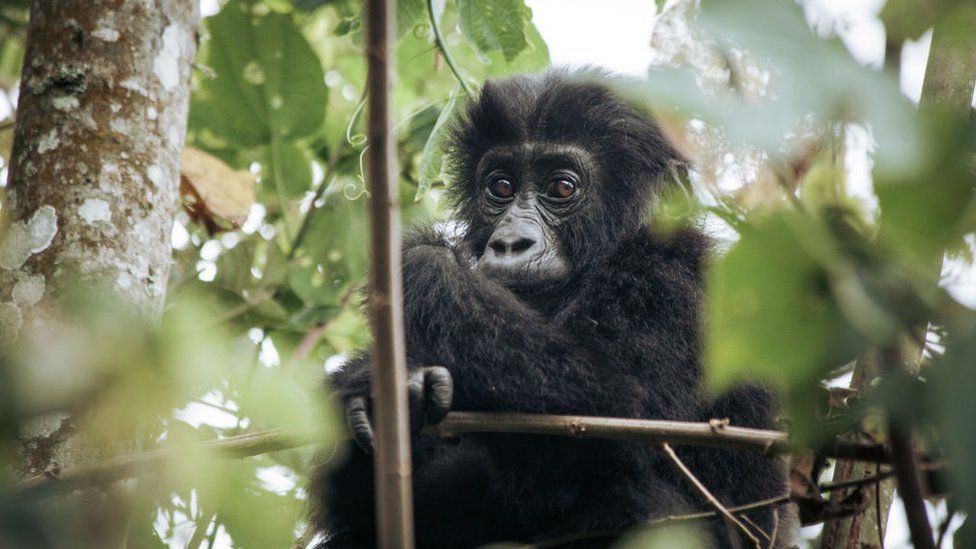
(86, 147)
(94, 173)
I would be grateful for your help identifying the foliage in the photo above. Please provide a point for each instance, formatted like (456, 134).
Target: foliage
(810, 272)
(253, 313)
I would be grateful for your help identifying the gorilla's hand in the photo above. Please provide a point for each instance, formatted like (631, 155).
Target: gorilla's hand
(430, 391)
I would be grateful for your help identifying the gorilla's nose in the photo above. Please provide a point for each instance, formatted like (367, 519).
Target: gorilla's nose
(513, 247)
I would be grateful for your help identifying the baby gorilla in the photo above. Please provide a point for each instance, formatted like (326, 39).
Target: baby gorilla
(557, 300)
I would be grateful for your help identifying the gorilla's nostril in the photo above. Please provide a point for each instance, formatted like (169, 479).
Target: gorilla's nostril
(521, 245)
(499, 246)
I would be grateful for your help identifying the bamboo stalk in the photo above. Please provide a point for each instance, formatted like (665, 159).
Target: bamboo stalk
(394, 505)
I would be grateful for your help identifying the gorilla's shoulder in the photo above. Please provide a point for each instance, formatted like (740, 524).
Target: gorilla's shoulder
(651, 252)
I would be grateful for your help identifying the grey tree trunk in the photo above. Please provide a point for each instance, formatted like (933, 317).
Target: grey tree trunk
(94, 176)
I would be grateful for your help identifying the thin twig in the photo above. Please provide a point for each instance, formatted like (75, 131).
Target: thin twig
(705, 515)
(944, 527)
(877, 507)
(312, 337)
(710, 499)
(328, 171)
(439, 40)
(906, 467)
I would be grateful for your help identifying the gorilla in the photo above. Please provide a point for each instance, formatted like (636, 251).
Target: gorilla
(556, 299)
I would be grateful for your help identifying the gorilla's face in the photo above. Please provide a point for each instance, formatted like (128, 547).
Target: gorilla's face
(550, 175)
(529, 192)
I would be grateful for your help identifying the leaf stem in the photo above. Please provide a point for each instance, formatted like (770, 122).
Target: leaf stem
(439, 40)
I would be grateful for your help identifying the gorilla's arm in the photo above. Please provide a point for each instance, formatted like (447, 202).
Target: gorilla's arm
(504, 355)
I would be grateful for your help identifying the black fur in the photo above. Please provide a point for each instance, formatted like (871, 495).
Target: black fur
(619, 337)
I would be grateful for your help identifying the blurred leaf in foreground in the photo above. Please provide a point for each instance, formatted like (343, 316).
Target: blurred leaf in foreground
(770, 310)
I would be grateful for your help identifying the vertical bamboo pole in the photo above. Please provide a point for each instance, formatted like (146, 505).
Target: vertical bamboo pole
(394, 501)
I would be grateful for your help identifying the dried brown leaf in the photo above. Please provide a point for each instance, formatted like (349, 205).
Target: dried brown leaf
(215, 195)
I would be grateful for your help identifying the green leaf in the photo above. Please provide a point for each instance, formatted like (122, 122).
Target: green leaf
(253, 516)
(267, 79)
(492, 25)
(335, 254)
(932, 205)
(908, 19)
(433, 157)
(409, 13)
(770, 310)
(287, 168)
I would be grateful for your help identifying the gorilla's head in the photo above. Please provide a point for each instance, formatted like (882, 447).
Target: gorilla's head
(550, 174)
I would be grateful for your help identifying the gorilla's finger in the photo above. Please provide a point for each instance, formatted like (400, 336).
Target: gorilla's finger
(415, 399)
(439, 392)
(357, 417)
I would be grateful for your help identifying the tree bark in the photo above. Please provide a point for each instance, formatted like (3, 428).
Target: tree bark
(93, 185)
(865, 528)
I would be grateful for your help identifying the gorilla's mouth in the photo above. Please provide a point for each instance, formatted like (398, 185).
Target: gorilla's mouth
(526, 272)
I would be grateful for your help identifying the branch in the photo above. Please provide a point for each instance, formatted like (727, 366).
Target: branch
(710, 499)
(649, 431)
(906, 467)
(439, 40)
(705, 515)
(124, 467)
(458, 423)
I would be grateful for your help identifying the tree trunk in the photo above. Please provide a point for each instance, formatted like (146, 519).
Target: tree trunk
(94, 180)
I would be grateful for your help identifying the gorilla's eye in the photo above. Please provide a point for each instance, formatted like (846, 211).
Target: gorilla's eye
(501, 188)
(561, 188)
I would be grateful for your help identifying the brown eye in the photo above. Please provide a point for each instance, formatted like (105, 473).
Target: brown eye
(501, 188)
(561, 188)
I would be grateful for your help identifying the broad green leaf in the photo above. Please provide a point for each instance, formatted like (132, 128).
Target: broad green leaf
(770, 311)
(433, 157)
(267, 80)
(495, 25)
(933, 204)
(287, 169)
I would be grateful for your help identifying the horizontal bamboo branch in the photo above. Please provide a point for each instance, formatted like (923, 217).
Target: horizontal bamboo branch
(651, 431)
(457, 423)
